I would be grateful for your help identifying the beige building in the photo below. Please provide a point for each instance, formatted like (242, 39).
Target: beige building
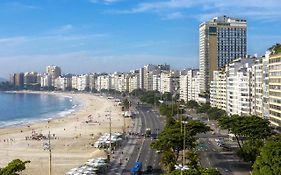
(275, 89)
(221, 40)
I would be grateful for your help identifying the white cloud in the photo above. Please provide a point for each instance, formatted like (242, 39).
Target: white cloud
(12, 41)
(174, 9)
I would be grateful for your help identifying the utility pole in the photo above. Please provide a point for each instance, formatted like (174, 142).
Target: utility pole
(110, 148)
(50, 154)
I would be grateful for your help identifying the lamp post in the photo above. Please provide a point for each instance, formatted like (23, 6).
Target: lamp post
(49, 148)
(184, 134)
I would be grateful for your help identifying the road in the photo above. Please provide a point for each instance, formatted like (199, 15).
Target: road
(211, 155)
(137, 147)
(143, 152)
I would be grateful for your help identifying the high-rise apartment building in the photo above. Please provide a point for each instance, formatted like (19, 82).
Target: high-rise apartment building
(275, 89)
(133, 82)
(193, 84)
(148, 72)
(218, 90)
(184, 87)
(239, 90)
(166, 82)
(221, 40)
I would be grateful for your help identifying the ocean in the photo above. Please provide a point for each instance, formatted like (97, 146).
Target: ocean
(23, 108)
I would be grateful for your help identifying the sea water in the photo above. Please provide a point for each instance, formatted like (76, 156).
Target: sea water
(23, 108)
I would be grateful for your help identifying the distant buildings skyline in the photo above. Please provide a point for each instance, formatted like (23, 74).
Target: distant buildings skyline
(91, 38)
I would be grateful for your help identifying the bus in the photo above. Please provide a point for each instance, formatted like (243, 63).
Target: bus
(136, 170)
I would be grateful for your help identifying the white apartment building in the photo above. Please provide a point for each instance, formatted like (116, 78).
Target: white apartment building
(257, 88)
(218, 90)
(83, 82)
(156, 82)
(239, 86)
(193, 84)
(120, 82)
(133, 82)
(74, 82)
(54, 71)
(184, 88)
(166, 82)
(46, 80)
(148, 72)
(103, 82)
(63, 83)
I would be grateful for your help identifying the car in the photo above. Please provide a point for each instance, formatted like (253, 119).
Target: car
(149, 169)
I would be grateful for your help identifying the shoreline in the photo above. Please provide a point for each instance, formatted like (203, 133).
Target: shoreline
(72, 139)
(51, 115)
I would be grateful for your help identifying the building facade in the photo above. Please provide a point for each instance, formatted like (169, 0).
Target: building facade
(221, 40)
(218, 90)
(275, 89)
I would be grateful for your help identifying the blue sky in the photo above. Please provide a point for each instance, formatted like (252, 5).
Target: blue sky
(118, 35)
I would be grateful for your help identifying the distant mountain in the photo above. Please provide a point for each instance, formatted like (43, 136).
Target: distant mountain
(2, 79)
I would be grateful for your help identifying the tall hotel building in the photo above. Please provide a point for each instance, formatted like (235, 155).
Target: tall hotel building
(222, 40)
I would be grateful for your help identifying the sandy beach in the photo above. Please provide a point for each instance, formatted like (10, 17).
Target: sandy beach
(71, 139)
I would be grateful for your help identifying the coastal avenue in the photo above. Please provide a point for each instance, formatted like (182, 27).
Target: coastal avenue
(137, 147)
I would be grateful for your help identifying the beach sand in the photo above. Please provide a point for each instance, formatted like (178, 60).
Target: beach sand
(73, 137)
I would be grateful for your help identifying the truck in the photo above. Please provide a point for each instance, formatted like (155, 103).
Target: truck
(147, 132)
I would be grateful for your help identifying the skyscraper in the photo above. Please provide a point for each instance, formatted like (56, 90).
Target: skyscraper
(221, 40)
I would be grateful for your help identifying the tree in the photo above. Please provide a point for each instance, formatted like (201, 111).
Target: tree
(172, 137)
(167, 96)
(150, 97)
(137, 92)
(250, 150)
(269, 161)
(195, 127)
(198, 171)
(203, 108)
(192, 104)
(14, 167)
(126, 103)
(168, 160)
(250, 127)
(215, 113)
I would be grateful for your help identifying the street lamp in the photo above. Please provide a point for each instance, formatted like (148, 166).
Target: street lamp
(184, 132)
(47, 146)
